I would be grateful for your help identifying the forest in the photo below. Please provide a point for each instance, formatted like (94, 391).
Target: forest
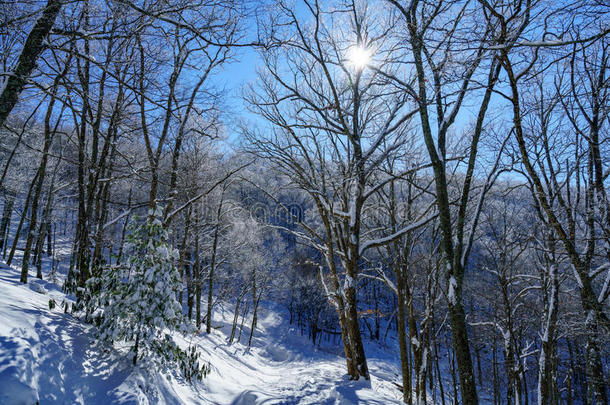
(415, 191)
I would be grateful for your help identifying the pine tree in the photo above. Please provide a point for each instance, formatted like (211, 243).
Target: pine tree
(139, 302)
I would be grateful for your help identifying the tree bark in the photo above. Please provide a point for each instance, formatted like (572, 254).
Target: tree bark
(24, 214)
(256, 297)
(33, 47)
(197, 273)
(402, 340)
(82, 253)
(208, 325)
(183, 249)
(355, 337)
(546, 372)
(45, 225)
(7, 212)
(124, 231)
(48, 139)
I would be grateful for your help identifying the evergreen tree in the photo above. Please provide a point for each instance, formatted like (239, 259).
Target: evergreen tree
(139, 302)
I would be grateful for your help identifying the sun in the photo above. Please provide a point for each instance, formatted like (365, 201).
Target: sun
(359, 57)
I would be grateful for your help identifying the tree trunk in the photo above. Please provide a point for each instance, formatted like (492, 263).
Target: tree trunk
(44, 231)
(33, 47)
(402, 339)
(24, 214)
(197, 273)
(438, 373)
(547, 347)
(188, 270)
(355, 338)
(596, 383)
(7, 212)
(208, 325)
(102, 198)
(255, 316)
(135, 349)
(461, 347)
(48, 139)
(235, 318)
(244, 312)
(183, 248)
(82, 251)
(451, 359)
(124, 231)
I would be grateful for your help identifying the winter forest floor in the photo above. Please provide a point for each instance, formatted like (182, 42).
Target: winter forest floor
(46, 356)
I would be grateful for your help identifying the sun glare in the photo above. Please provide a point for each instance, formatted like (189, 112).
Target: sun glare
(359, 57)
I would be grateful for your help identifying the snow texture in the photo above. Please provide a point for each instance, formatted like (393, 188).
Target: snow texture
(46, 356)
(452, 288)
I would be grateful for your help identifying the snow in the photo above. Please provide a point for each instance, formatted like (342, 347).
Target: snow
(387, 239)
(289, 370)
(577, 277)
(47, 356)
(452, 288)
(603, 294)
(352, 214)
(349, 282)
(550, 310)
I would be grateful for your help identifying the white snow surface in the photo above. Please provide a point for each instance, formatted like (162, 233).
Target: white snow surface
(46, 357)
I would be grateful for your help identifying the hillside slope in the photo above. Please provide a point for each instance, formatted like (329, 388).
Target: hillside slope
(46, 357)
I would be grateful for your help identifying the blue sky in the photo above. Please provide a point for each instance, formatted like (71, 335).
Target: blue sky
(233, 77)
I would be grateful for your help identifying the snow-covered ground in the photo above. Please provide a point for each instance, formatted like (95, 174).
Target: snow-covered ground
(46, 356)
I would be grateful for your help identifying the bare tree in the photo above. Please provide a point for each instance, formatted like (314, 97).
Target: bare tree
(334, 122)
(446, 71)
(552, 177)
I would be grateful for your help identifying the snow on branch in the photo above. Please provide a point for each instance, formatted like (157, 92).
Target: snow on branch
(599, 270)
(556, 43)
(385, 240)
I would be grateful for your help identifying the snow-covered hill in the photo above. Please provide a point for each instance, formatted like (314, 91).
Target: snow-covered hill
(46, 357)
